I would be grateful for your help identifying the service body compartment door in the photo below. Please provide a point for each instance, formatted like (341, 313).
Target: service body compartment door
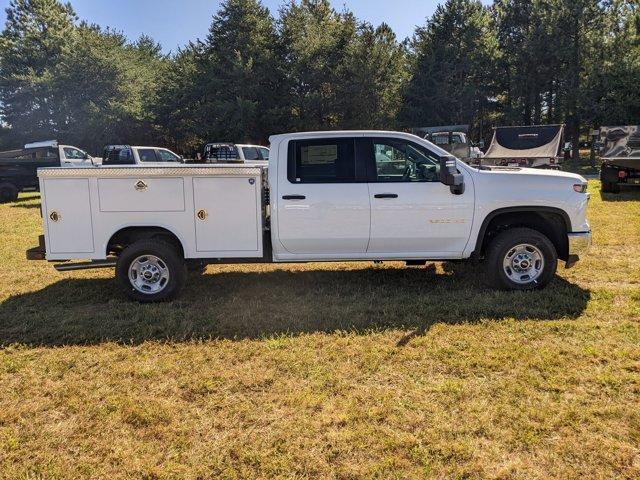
(68, 216)
(141, 194)
(228, 216)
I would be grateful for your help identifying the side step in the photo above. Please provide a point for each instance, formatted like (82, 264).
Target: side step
(68, 267)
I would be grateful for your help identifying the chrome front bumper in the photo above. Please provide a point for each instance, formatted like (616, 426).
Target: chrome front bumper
(579, 244)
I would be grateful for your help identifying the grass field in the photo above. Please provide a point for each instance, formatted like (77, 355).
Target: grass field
(325, 370)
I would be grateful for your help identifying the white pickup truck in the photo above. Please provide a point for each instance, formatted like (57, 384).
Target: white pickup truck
(325, 196)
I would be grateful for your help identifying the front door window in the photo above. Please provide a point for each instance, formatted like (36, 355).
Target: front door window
(403, 161)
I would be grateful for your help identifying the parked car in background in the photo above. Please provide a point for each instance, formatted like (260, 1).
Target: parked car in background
(535, 146)
(324, 197)
(128, 155)
(620, 153)
(235, 153)
(18, 168)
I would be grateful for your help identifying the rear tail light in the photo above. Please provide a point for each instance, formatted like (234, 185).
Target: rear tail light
(580, 187)
(622, 174)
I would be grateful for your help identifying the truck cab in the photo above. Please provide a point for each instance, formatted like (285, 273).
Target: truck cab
(135, 155)
(325, 196)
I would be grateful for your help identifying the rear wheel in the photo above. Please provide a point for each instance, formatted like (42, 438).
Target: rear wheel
(8, 192)
(151, 271)
(521, 259)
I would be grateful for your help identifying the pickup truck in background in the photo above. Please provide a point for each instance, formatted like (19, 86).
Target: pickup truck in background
(325, 196)
(235, 153)
(149, 156)
(18, 168)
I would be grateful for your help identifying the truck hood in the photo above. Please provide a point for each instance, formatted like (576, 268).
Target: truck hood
(532, 173)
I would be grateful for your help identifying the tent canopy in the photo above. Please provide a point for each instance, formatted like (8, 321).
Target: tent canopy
(536, 141)
(621, 142)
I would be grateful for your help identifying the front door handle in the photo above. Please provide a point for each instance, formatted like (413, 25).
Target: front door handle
(385, 195)
(293, 197)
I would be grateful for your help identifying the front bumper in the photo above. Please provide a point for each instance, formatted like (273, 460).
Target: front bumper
(579, 244)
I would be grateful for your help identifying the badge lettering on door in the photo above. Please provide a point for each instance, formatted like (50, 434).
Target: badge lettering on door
(448, 220)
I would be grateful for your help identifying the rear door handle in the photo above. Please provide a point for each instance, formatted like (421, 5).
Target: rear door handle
(386, 195)
(293, 197)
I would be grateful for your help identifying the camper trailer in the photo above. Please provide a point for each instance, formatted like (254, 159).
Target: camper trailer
(535, 146)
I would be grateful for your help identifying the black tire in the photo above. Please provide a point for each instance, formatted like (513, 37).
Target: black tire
(169, 261)
(609, 180)
(8, 192)
(503, 244)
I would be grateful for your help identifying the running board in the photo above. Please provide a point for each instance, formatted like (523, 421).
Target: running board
(68, 267)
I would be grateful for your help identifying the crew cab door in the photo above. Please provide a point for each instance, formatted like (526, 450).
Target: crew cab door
(323, 199)
(412, 213)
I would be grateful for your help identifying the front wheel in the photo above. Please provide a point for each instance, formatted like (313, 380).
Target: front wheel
(150, 271)
(521, 259)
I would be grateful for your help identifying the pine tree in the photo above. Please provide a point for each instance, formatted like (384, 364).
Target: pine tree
(316, 41)
(453, 66)
(240, 78)
(37, 34)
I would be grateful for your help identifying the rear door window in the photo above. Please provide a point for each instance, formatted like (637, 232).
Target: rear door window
(329, 160)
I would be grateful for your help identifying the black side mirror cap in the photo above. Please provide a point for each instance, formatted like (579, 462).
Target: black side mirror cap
(450, 176)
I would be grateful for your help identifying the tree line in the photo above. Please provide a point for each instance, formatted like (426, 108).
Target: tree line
(312, 67)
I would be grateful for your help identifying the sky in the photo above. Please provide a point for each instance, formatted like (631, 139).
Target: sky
(174, 23)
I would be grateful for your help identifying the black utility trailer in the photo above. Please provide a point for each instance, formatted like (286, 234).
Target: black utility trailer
(620, 153)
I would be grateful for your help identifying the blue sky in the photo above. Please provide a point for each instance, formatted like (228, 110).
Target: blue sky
(174, 22)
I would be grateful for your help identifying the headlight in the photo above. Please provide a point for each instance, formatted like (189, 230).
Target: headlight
(580, 187)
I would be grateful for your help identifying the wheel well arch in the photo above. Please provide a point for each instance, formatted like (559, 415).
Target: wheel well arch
(551, 222)
(128, 235)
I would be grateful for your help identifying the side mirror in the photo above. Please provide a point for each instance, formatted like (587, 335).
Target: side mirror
(449, 175)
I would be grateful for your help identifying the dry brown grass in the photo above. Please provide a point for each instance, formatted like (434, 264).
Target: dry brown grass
(324, 371)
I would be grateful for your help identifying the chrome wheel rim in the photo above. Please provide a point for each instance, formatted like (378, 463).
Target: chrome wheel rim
(149, 274)
(523, 264)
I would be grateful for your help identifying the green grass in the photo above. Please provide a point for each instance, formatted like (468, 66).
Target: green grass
(340, 370)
